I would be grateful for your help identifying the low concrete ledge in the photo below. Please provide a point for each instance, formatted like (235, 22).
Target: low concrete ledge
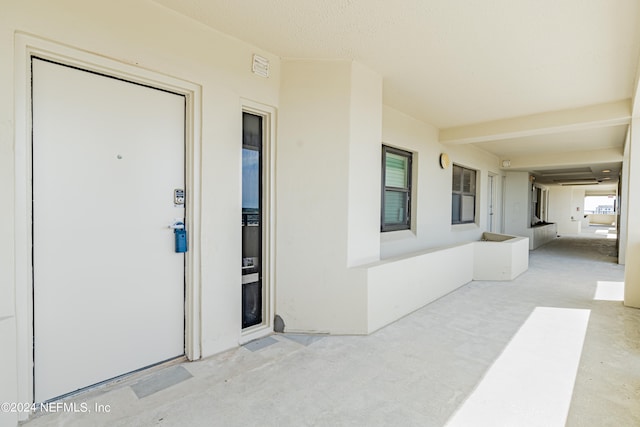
(495, 237)
(541, 234)
(400, 285)
(500, 257)
(602, 219)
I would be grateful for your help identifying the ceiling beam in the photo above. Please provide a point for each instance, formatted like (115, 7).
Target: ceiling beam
(600, 115)
(573, 159)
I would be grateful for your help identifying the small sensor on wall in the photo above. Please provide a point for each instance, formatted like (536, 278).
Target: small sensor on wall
(260, 66)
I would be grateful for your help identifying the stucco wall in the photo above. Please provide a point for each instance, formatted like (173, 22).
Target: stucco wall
(632, 268)
(329, 136)
(517, 191)
(327, 197)
(364, 166)
(432, 226)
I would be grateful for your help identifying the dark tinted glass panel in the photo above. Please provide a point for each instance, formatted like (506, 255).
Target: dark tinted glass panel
(251, 220)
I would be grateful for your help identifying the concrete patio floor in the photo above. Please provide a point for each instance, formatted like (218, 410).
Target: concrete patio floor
(554, 347)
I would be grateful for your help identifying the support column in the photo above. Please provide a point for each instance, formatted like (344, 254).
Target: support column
(632, 268)
(328, 197)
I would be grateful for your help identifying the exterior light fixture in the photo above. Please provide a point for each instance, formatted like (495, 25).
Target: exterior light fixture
(444, 160)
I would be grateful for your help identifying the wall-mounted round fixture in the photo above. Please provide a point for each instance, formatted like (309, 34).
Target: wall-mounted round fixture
(445, 161)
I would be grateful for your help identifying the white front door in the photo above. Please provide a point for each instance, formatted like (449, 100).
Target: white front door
(108, 284)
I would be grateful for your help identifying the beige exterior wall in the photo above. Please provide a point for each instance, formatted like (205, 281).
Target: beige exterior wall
(622, 203)
(364, 166)
(331, 128)
(516, 209)
(321, 142)
(632, 266)
(431, 226)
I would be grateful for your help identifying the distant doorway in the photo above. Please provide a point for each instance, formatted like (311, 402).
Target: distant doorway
(491, 218)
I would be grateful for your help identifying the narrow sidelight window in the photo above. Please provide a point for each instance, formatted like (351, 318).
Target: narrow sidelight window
(463, 200)
(396, 189)
(252, 219)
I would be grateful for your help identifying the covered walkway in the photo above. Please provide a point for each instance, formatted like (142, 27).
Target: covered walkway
(553, 347)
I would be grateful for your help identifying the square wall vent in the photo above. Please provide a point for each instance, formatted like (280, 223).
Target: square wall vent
(260, 66)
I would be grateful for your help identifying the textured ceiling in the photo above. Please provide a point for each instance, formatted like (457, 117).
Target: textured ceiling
(456, 63)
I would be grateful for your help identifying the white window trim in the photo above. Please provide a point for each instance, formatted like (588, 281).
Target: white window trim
(268, 113)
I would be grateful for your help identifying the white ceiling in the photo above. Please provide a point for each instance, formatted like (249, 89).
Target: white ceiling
(458, 63)
(583, 139)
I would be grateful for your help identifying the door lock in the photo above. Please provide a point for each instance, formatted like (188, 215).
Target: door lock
(178, 197)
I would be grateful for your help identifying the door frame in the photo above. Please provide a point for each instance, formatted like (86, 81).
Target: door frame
(268, 115)
(27, 46)
(492, 201)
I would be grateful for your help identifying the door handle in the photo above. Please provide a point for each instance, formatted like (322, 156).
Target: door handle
(177, 225)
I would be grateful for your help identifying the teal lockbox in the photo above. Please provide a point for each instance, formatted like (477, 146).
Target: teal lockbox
(181, 240)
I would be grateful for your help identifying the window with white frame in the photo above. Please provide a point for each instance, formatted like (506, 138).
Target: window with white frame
(463, 197)
(396, 189)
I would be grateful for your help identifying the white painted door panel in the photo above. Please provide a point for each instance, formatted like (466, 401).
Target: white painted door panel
(108, 285)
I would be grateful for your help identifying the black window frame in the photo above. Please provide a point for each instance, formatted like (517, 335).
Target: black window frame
(406, 222)
(460, 193)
